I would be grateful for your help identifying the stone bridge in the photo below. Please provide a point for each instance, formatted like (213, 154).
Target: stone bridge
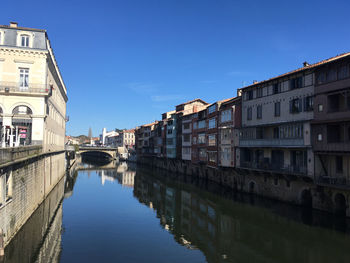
(99, 152)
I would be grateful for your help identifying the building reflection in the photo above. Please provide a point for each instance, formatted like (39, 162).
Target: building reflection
(228, 231)
(39, 240)
(123, 172)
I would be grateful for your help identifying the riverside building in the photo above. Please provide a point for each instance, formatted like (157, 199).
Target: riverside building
(276, 130)
(33, 95)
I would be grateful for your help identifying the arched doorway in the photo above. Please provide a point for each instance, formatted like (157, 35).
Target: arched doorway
(306, 198)
(340, 204)
(21, 126)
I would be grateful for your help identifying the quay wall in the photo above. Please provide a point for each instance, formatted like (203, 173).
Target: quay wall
(292, 189)
(24, 186)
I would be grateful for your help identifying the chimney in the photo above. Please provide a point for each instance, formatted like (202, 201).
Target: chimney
(13, 24)
(305, 64)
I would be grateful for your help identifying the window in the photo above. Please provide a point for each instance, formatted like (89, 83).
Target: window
(170, 122)
(249, 113)
(259, 92)
(334, 134)
(296, 83)
(319, 137)
(259, 133)
(194, 140)
(212, 157)
(212, 140)
(277, 109)
(24, 41)
(226, 134)
(195, 125)
(276, 132)
(321, 78)
(186, 150)
(249, 95)
(212, 108)
(343, 71)
(201, 138)
(226, 115)
(169, 141)
(22, 110)
(226, 154)
(201, 124)
(187, 137)
(202, 153)
(295, 106)
(320, 107)
(259, 112)
(187, 126)
(339, 164)
(170, 131)
(308, 103)
(23, 78)
(212, 123)
(276, 88)
(331, 75)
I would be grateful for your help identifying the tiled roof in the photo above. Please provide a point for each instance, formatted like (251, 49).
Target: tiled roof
(191, 101)
(150, 124)
(310, 66)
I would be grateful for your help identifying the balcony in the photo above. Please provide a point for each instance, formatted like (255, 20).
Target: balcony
(296, 142)
(270, 167)
(337, 181)
(14, 88)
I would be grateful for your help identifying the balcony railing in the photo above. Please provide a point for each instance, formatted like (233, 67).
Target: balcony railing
(290, 169)
(15, 87)
(337, 181)
(271, 142)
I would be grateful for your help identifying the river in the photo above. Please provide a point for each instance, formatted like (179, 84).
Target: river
(129, 213)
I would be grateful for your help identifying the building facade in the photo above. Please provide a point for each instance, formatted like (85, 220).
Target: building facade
(229, 121)
(331, 124)
(276, 130)
(33, 95)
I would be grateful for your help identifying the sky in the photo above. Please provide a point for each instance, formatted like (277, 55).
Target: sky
(124, 63)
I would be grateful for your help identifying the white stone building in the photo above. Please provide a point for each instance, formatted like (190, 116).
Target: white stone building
(33, 95)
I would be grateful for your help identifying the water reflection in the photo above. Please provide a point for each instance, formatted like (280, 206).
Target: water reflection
(230, 231)
(103, 222)
(39, 240)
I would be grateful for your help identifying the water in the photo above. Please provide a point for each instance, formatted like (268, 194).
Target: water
(126, 214)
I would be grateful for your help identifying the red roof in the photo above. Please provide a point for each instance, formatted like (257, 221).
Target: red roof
(311, 66)
(191, 101)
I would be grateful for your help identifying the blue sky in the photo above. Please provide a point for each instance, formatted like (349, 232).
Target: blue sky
(126, 62)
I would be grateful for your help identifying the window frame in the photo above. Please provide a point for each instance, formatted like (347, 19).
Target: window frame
(26, 38)
(277, 109)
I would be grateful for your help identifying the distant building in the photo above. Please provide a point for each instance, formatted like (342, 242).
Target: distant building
(126, 138)
(229, 123)
(33, 95)
(108, 138)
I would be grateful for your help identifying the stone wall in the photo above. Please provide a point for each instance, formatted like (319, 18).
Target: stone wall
(24, 187)
(39, 239)
(286, 188)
